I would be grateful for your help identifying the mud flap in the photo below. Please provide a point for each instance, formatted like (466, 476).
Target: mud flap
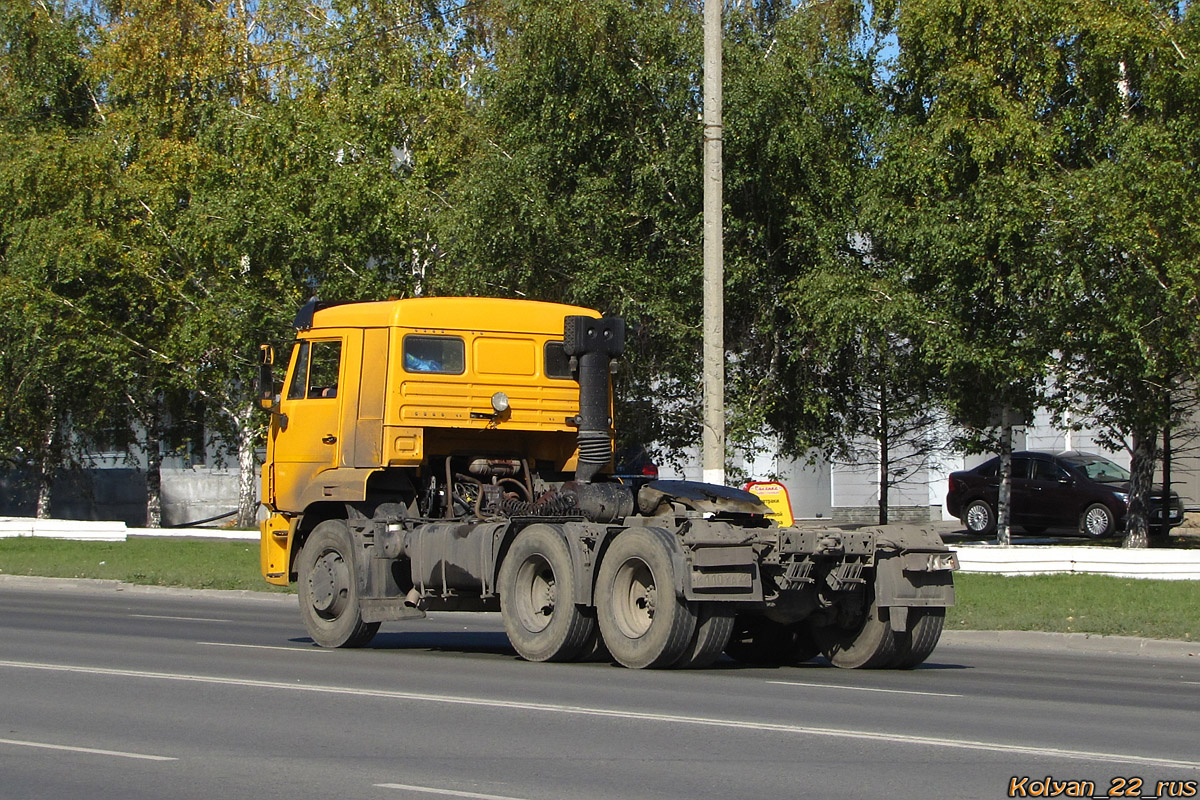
(906, 580)
(275, 545)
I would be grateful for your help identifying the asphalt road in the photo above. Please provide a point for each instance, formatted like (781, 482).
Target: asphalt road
(127, 693)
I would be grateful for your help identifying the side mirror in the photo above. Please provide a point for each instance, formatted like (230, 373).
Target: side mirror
(266, 380)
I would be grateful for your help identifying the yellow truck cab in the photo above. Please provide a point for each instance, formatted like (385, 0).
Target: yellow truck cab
(456, 453)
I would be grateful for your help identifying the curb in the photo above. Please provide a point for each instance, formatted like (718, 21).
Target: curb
(1073, 642)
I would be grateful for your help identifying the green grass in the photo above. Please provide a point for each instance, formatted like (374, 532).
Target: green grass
(1077, 604)
(1059, 603)
(153, 562)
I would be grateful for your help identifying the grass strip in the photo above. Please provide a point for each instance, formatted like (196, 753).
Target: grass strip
(1154, 609)
(197, 564)
(1098, 604)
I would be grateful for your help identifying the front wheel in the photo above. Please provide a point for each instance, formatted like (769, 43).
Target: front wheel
(979, 518)
(537, 598)
(644, 623)
(328, 588)
(1097, 522)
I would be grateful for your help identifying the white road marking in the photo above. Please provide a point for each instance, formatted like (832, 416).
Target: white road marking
(1033, 751)
(90, 750)
(448, 792)
(321, 650)
(863, 689)
(181, 619)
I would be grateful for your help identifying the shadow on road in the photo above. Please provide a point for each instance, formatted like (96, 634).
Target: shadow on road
(438, 641)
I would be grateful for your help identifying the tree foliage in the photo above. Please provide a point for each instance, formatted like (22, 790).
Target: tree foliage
(930, 206)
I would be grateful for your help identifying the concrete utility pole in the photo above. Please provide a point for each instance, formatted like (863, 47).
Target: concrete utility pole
(713, 434)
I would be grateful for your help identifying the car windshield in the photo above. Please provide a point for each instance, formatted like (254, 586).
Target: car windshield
(1100, 469)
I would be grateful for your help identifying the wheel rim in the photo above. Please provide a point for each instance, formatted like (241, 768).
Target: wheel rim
(634, 598)
(537, 593)
(1096, 521)
(977, 517)
(329, 584)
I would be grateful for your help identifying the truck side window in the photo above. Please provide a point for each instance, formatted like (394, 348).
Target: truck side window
(300, 377)
(324, 368)
(557, 364)
(439, 354)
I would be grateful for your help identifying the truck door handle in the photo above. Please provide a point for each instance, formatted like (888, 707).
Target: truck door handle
(329, 438)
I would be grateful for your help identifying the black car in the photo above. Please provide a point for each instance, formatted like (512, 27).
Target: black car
(1081, 492)
(635, 468)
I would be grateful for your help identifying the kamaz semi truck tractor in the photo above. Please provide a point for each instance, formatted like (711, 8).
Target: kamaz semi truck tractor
(456, 454)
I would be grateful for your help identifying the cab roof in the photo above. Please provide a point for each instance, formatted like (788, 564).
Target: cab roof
(452, 313)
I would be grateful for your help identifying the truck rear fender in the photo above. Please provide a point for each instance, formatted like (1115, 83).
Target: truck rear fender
(584, 541)
(913, 569)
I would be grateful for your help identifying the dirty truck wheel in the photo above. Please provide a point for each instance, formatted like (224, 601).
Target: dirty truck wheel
(867, 643)
(537, 598)
(914, 645)
(328, 588)
(645, 624)
(714, 626)
(764, 642)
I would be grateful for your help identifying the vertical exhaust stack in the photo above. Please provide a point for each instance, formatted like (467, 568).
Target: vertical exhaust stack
(592, 344)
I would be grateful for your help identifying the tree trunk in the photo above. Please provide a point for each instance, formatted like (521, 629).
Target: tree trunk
(153, 471)
(1004, 503)
(1137, 532)
(1162, 537)
(247, 497)
(47, 463)
(885, 456)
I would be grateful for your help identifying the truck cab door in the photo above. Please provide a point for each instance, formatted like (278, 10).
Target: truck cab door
(307, 429)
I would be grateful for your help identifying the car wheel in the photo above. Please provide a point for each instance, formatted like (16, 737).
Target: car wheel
(979, 518)
(1096, 522)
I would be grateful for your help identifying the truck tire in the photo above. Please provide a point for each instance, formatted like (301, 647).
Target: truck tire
(537, 598)
(760, 641)
(594, 649)
(914, 645)
(714, 626)
(644, 623)
(328, 588)
(867, 643)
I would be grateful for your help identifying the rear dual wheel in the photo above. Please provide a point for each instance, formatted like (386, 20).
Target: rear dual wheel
(537, 599)
(643, 621)
(870, 642)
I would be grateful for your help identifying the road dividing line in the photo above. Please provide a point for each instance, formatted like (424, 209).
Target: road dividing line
(863, 689)
(446, 792)
(89, 750)
(307, 649)
(1000, 748)
(179, 619)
